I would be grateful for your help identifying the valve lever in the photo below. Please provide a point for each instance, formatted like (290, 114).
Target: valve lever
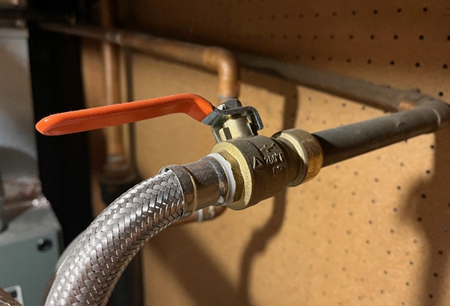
(104, 116)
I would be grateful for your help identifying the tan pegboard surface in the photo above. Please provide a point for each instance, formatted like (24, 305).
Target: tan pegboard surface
(404, 44)
(369, 231)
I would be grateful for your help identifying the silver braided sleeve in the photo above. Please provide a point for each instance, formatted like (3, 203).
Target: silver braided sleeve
(89, 273)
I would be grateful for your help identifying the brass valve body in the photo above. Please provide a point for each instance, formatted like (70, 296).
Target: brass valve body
(262, 166)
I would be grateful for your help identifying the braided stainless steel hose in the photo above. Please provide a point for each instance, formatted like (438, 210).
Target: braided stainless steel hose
(94, 265)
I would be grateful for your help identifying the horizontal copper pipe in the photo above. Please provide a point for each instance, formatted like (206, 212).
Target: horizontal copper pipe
(214, 59)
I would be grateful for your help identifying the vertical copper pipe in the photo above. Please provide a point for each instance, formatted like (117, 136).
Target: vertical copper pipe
(115, 160)
(118, 173)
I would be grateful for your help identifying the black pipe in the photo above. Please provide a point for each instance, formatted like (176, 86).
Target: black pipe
(351, 140)
(378, 96)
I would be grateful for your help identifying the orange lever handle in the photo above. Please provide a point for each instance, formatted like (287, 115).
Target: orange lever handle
(104, 116)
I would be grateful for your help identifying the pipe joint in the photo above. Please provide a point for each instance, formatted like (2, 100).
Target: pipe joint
(207, 182)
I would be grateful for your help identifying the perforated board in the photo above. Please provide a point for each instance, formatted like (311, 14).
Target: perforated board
(369, 231)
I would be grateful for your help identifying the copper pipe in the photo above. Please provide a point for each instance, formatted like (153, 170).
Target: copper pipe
(118, 172)
(116, 165)
(212, 58)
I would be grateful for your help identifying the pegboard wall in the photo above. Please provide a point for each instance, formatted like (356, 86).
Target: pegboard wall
(373, 230)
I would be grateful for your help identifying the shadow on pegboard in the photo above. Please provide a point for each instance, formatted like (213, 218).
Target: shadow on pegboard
(428, 210)
(262, 236)
(200, 276)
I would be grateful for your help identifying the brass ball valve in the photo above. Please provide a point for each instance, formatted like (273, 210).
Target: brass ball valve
(256, 167)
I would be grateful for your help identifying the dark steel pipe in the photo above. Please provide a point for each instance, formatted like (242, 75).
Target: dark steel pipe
(351, 140)
(419, 114)
(381, 97)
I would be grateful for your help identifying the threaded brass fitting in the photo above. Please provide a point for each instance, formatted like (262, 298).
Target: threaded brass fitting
(262, 166)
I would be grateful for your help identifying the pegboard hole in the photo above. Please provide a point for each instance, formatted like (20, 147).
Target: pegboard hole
(369, 61)
(392, 63)
(421, 37)
(399, 10)
(430, 296)
(395, 37)
(372, 36)
(375, 12)
(440, 94)
(425, 9)
(445, 66)
(417, 65)
(435, 274)
(419, 219)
